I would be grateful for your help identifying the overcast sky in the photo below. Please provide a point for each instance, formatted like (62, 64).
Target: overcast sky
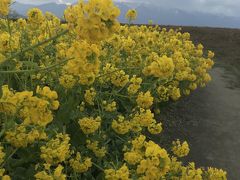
(223, 7)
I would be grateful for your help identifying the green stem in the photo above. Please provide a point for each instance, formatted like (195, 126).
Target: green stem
(112, 72)
(15, 150)
(98, 166)
(2, 132)
(36, 45)
(35, 70)
(119, 95)
(123, 140)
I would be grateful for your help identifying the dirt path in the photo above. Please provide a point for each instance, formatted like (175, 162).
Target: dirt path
(210, 120)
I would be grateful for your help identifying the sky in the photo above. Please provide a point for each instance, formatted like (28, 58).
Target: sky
(218, 7)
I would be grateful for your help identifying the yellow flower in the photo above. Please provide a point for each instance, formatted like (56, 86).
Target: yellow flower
(211, 54)
(100, 152)
(121, 126)
(145, 100)
(135, 85)
(122, 173)
(21, 22)
(138, 142)
(190, 172)
(155, 128)
(4, 7)
(82, 106)
(128, 44)
(4, 42)
(89, 125)
(207, 78)
(117, 76)
(43, 176)
(84, 62)
(90, 96)
(131, 15)
(6, 177)
(144, 118)
(57, 174)
(133, 157)
(50, 95)
(21, 136)
(56, 150)
(163, 93)
(175, 93)
(79, 164)
(213, 173)
(67, 81)
(35, 17)
(160, 67)
(31, 109)
(156, 163)
(110, 107)
(91, 24)
(180, 150)
(2, 155)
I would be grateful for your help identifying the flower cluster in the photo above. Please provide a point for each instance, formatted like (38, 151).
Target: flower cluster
(32, 110)
(122, 173)
(56, 150)
(135, 85)
(4, 7)
(145, 100)
(99, 152)
(149, 159)
(160, 67)
(22, 136)
(94, 20)
(56, 174)
(131, 15)
(114, 75)
(79, 164)
(89, 96)
(110, 107)
(32, 114)
(90, 125)
(84, 62)
(179, 149)
(121, 125)
(2, 170)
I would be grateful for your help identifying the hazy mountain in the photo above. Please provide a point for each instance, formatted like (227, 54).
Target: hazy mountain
(179, 17)
(56, 9)
(146, 12)
(21, 8)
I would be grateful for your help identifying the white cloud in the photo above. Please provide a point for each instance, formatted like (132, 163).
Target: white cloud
(60, 2)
